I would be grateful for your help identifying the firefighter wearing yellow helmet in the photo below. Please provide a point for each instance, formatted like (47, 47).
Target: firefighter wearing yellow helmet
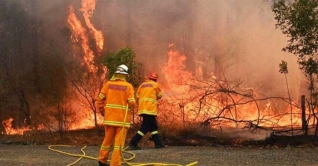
(112, 102)
(147, 96)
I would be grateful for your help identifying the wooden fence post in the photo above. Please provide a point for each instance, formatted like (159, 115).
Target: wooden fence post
(303, 115)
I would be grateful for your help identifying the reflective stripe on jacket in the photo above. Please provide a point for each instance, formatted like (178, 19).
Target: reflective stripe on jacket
(148, 94)
(114, 97)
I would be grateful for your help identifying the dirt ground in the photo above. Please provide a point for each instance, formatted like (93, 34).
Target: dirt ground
(41, 155)
(182, 150)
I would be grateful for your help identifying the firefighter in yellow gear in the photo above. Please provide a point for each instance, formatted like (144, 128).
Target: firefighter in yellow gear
(112, 102)
(147, 95)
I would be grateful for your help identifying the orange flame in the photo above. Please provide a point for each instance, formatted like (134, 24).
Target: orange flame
(9, 130)
(174, 71)
(81, 35)
(88, 7)
(181, 90)
(183, 100)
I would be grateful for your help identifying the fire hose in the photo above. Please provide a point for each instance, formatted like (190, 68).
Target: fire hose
(122, 150)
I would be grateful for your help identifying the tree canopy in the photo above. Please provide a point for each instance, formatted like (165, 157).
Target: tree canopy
(123, 56)
(299, 21)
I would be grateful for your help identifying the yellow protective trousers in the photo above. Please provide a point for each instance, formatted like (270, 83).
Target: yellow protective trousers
(116, 136)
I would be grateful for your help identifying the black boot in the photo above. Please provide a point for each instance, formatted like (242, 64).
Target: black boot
(102, 164)
(133, 145)
(157, 141)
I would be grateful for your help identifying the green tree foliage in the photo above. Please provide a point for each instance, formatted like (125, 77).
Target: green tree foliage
(124, 56)
(283, 67)
(299, 21)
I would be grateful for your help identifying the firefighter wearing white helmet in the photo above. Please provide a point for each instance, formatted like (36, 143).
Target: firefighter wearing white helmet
(112, 102)
(122, 69)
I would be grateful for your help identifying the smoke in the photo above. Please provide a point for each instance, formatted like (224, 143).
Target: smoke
(247, 134)
(233, 133)
(230, 39)
(237, 39)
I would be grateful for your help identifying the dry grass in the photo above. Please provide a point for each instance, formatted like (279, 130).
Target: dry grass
(189, 136)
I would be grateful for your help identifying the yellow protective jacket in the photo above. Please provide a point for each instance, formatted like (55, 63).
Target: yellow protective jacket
(114, 97)
(148, 94)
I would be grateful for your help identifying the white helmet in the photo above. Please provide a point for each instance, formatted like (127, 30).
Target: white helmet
(122, 69)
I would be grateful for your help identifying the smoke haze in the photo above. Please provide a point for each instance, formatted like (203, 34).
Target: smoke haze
(230, 38)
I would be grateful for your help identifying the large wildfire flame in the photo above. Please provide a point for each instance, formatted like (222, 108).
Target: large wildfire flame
(213, 101)
(88, 6)
(175, 75)
(183, 102)
(186, 99)
(81, 35)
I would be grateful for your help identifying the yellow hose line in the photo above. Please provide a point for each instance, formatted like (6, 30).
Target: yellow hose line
(144, 164)
(71, 154)
(81, 156)
(122, 150)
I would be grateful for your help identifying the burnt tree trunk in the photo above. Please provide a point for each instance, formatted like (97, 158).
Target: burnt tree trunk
(303, 115)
